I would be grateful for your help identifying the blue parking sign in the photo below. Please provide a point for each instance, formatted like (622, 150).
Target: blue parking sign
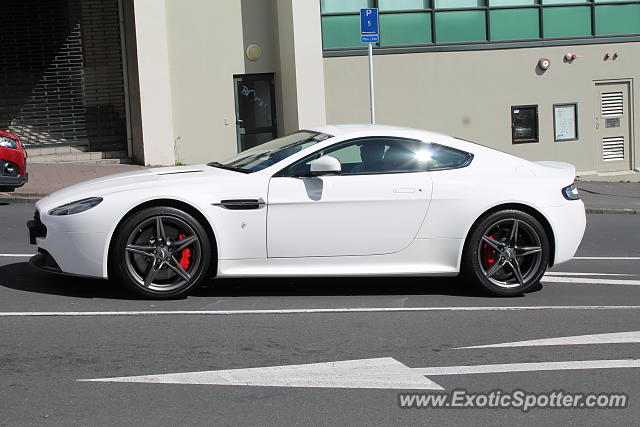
(369, 26)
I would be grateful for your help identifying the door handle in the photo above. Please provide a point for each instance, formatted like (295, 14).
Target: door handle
(404, 190)
(239, 122)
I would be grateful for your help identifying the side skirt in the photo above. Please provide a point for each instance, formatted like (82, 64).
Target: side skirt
(424, 257)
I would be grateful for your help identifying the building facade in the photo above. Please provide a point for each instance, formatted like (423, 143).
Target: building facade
(187, 81)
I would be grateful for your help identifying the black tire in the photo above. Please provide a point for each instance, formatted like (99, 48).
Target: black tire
(503, 262)
(161, 253)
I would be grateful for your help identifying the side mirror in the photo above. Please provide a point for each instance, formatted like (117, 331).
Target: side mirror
(325, 165)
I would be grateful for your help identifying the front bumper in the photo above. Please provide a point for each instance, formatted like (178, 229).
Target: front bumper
(10, 183)
(67, 252)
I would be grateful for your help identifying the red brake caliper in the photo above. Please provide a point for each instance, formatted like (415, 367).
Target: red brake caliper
(488, 254)
(185, 255)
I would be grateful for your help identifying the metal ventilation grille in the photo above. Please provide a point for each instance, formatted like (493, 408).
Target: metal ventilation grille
(613, 148)
(612, 104)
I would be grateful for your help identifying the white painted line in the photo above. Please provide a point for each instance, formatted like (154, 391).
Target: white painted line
(619, 258)
(16, 255)
(310, 311)
(530, 367)
(563, 273)
(383, 373)
(591, 281)
(612, 338)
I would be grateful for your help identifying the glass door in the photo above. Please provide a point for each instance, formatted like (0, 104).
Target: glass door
(255, 109)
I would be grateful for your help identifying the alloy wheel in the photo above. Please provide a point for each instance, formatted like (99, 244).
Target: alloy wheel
(163, 253)
(510, 253)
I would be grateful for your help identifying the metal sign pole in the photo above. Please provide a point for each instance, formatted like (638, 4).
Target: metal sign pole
(369, 33)
(372, 95)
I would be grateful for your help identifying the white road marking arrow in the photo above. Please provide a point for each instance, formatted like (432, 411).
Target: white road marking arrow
(613, 338)
(383, 373)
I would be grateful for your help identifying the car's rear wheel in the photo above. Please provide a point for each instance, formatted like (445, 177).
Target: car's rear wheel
(161, 252)
(507, 253)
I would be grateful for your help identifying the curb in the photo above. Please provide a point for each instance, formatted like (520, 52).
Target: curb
(612, 211)
(19, 198)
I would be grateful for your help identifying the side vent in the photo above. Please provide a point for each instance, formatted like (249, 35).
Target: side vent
(612, 104)
(613, 148)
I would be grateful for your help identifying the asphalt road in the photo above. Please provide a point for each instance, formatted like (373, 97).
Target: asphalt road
(393, 328)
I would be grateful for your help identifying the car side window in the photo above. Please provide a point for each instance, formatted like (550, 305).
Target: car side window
(379, 155)
(441, 157)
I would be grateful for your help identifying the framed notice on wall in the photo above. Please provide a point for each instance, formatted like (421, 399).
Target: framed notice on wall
(565, 122)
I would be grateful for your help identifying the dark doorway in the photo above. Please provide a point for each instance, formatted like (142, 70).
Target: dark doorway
(255, 109)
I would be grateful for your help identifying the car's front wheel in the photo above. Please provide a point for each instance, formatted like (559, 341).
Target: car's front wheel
(161, 252)
(507, 253)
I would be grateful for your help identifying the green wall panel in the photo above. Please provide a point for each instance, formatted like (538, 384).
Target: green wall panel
(567, 21)
(545, 2)
(341, 31)
(467, 25)
(617, 19)
(340, 6)
(402, 4)
(494, 3)
(405, 28)
(513, 24)
(456, 4)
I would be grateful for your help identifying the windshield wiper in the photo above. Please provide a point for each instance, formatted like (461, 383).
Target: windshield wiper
(231, 168)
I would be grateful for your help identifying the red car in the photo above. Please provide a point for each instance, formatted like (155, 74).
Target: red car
(13, 162)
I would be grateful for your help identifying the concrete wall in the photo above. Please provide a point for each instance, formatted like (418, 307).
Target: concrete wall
(205, 51)
(258, 28)
(184, 55)
(153, 83)
(470, 94)
(300, 79)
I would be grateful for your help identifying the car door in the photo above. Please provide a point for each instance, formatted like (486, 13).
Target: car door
(363, 211)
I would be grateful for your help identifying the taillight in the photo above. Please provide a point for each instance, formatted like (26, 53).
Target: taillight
(571, 192)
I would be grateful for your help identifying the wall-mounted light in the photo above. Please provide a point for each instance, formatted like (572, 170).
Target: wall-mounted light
(570, 57)
(544, 64)
(254, 52)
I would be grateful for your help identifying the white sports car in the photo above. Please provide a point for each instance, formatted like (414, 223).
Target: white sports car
(352, 200)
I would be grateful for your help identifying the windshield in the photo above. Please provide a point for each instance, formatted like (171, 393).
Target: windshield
(270, 153)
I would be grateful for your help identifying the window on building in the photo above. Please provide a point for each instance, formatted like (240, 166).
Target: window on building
(524, 123)
(428, 23)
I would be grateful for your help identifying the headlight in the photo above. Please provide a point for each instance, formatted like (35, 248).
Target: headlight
(76, 207)
(7, 142)
(571, 192)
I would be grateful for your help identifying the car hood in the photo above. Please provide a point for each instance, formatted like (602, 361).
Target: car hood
(135, 180)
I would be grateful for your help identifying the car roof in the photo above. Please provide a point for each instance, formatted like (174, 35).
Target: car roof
(423, 135)
(345, 129)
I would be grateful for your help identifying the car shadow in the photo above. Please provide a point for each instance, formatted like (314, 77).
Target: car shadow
(338, 286)
(335, 286)
(22, 277)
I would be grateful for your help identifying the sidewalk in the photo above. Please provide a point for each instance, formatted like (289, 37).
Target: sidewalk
(45, 178)
(610, 197)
